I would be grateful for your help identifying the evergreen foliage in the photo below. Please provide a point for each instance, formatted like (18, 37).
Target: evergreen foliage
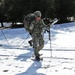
(15, 10)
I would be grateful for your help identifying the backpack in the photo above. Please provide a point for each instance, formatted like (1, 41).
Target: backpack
(27, 21)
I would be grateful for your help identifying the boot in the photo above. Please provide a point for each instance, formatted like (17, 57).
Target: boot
(37, 58)
(33, 55)
(30, 42)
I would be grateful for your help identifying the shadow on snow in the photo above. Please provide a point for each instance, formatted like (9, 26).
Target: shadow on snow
(32, 70)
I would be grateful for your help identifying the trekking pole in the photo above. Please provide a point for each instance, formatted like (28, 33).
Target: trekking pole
(55, 21)
(23, 41)
(4, 36)
(50, 41)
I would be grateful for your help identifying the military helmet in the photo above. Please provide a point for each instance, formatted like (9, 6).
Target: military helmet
(37, 14)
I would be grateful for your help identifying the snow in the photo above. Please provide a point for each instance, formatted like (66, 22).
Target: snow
(9, 24)
(6, 24)
(58, 58)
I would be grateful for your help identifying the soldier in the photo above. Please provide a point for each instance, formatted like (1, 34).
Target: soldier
(37, 36)
(36, 28)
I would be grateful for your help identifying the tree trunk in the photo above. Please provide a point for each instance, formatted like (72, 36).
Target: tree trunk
(2, 24)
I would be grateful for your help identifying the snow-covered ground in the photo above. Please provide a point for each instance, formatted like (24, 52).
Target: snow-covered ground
(58, 58)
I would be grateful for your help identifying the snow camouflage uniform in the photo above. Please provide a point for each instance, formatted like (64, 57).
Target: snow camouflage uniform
(36, 28)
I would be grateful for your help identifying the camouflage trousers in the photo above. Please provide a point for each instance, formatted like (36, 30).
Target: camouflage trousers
(38, 43)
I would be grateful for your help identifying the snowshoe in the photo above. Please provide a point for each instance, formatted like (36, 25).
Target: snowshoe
(37, 59)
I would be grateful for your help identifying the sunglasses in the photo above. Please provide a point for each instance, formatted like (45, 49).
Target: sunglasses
(38, 16)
